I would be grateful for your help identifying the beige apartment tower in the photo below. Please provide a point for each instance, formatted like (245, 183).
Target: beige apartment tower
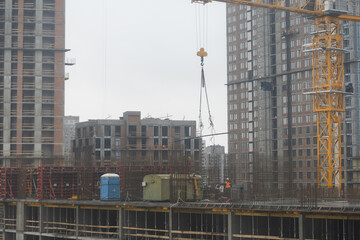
(32, 49)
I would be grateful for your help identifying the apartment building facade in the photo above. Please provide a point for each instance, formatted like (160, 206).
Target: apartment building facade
(131, 140)
(214, 165)
(32, 48)
(273, 131)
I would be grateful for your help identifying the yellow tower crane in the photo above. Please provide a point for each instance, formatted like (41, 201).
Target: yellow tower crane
(328, 76)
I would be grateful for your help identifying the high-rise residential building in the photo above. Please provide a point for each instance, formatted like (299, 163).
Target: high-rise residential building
(69, 134)
(131, 140)
(32, 48)
(273, 130)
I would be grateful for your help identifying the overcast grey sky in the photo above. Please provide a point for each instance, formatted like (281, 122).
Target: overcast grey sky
(141, 56)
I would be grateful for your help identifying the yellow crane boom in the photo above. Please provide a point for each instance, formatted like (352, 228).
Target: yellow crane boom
(328, 80)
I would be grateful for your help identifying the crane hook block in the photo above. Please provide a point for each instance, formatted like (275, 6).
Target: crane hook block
(202, 53)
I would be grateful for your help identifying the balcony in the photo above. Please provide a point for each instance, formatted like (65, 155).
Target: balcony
(28, 126)
(29, 19)
(29, 5)
(48, 126)
(49, 6)
(27, 45)
(28, 85)
(13, 139)
(48, 45)
(27, 112)
(48, 99)
(48, 19)
(48, 112)
(29, 58)
(28, 139)
(28, 72)
(48, 72)
(48, 32)
(13, 84)
(29, 99)
(48, 59)
(47, 139)
(48, 85)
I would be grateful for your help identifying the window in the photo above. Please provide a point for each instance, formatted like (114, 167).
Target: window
(164, 131)
(97, 155)
(107, 155)
(187, 131)
(107, 130)
(156, 131)
(132, 130)
(107, 143)
(143, 130)
(308, 152)
(117, 142)
(117, 130)
(97, 143)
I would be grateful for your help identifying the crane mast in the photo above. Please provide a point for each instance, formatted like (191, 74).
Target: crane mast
(328, 83)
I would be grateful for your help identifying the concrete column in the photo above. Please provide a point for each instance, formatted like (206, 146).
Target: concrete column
(20, 220)
(301, 226)
(121, 223)
(230, 225)
(77, 219)
(42, 219)
(170, 224)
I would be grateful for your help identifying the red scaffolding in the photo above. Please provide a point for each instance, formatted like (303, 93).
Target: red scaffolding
(56, 182)
(9, 183)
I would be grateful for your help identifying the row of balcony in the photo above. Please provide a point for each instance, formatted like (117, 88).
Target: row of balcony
(31, 5)
(29, 72)
(29, 45)
(29, 85)
(26, 112)
(14, 58)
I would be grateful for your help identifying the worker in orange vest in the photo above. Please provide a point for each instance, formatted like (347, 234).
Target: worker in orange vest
(227, 188)
(227, 183)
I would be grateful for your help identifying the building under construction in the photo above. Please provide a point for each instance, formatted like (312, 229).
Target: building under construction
(131, 140)
(273, 128)
(32, 50)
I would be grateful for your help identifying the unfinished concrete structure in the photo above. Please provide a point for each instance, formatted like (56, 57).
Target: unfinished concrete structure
(69, 135)
(131, 140)
(273, 132)
(32, 48)
(139, 220)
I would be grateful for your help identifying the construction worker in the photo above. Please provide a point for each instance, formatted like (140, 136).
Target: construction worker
(227, 188)
(227, 183)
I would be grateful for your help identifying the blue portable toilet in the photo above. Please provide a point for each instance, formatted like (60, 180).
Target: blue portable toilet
(110, 187)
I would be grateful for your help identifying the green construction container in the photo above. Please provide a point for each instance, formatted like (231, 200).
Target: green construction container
(156, 187)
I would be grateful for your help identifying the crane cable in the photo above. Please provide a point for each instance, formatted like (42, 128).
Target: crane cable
(201, 35)
(203, 87)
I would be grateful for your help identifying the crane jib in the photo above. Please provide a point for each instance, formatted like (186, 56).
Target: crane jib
(303, 7)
